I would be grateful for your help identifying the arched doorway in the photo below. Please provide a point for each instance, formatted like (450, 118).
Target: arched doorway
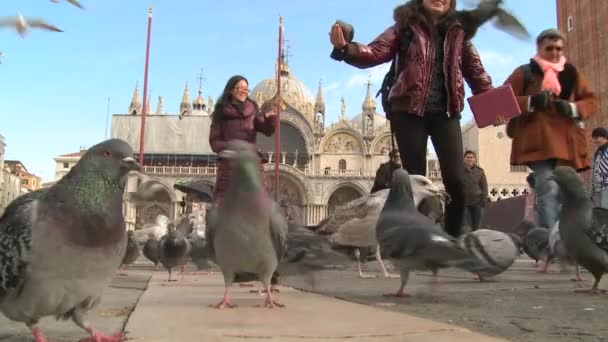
(162, 204)
(341, 196)
(291, 198)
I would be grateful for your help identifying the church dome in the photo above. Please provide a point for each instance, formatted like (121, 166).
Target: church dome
(379, 121)
(293, 91)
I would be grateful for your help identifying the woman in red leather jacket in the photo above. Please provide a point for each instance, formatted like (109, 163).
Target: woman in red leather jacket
(427, 97)
(236, 117)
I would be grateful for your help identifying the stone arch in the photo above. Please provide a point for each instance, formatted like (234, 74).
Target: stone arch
(382, 144)
(293, 196)
(163, 204)
(293, 139)
(341, 196)
(343, 141)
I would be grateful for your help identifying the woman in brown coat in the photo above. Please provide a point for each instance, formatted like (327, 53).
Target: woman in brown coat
(555, 100)
(236, 117)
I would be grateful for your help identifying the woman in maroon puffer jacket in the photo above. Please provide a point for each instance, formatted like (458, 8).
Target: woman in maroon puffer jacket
(236, 117)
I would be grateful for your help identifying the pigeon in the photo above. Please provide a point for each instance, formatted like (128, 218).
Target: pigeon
(410, 239)
(557, 250)
(23, 25)
(355, 222)
(582, 228)
(199, 252)
(493, 252)
(536, 242)
(131, 253)
(151, 250)
(158, 229)
(72, 2)
(247, 231)
(488, 10)
(60, 246)
(174, 248)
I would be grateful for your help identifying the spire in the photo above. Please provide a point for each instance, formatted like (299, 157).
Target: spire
(320, 103)
(211, 104)
(149, 105)
(185, 108)
(369, 104)
(161, 106)
(135, 107)
(199, 103)
(343, 109)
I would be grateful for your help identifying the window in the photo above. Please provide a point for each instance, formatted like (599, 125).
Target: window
(342, 165)
(570, 23)
(519, 168)
(66, 165)
(24, 182)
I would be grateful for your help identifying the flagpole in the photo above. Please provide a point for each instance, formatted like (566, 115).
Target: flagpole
(278, 114)
(144, 110)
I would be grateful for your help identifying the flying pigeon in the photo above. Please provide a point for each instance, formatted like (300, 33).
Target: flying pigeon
(582, 228)
(23, 25)
(247, 232)
(59, 246)
(410, 239)
(72, 2)
(488, 10)
(174, 248)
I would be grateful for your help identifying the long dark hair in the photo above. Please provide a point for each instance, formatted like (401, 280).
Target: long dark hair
(227, 94)
(413, 12)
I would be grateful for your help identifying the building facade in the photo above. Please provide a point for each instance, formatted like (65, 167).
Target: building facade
(583, 23)
(29, 181)
(65, 162)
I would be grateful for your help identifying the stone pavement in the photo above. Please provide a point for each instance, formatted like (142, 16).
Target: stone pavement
(179, 311)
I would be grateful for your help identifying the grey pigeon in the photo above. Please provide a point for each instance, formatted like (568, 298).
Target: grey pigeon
(132, 252)
(536, 243)
(151, 250)
(199, 253)
(582, 228)
(557, 250)
(174, 248)
(60, 246)
(493, 252)
(488, 10)
(410, 239)
(246, 231)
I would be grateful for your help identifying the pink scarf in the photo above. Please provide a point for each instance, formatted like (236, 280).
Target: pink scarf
(550, 70)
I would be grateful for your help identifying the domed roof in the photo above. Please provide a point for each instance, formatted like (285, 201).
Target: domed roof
(293, 91)
(379, 121)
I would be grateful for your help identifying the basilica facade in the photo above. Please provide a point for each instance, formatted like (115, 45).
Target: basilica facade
(321, 166)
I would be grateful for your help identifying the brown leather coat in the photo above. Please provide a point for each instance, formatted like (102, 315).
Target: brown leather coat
(548, 134)
(413, 84)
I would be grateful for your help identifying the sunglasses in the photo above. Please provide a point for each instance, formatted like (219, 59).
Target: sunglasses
(553, 47)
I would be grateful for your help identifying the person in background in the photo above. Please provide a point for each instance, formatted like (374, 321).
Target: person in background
(599, 174)
(555, 100)
(384, 174)
(475, 191)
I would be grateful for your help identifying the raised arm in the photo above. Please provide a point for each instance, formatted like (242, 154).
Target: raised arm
(380, 50)
(264, 125)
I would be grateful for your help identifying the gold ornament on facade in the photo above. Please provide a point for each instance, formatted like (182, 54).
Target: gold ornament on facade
(342, 143)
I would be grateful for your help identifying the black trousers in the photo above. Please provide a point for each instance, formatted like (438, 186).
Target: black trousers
(411, 133)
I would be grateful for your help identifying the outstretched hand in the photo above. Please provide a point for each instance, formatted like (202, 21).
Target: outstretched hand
(336, 37)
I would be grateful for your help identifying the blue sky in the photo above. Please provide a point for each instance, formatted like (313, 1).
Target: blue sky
(55, 86)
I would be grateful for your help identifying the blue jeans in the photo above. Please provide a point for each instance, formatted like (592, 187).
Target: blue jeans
(547, 193)
(472, 216)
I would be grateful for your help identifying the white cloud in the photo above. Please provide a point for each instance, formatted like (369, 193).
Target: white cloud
(332, 86)
(375, 74)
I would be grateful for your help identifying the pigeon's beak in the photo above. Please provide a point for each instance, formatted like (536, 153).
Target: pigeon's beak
(226, 154)
(130, 163)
